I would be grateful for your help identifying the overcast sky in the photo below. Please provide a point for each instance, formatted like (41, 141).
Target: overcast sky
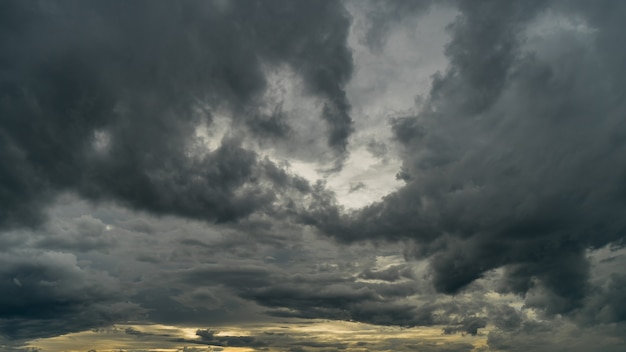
(313, 176)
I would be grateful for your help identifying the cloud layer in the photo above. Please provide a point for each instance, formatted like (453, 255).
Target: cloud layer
(514, 160)
(103, 99)
(156, 162)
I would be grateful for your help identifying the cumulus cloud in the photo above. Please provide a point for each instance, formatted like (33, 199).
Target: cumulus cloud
(48, 293)
(144, 171)
(103, 99)
(515, 159)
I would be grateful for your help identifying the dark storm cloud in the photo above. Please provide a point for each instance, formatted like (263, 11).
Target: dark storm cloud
(517, 157)
(514, 162)
(103, 98)
(387, 300)
(46, 294)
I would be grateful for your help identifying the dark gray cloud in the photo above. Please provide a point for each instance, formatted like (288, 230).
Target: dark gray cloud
(47, 293)
(510, 216)
(516, 158)
(562, 335)
(103, 98)
(382, 297)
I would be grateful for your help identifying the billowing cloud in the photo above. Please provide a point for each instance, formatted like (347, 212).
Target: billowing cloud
(515, 159)
(186, 164)
(46, 294)
(103, 99)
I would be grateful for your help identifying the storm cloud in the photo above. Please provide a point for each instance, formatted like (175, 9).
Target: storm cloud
(48, 293)
(104, 98)
(515, 159)
(210, 173)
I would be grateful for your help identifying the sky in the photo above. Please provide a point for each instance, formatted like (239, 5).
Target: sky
(309, 176)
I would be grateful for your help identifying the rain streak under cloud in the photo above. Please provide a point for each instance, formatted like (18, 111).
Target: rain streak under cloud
(312, 176)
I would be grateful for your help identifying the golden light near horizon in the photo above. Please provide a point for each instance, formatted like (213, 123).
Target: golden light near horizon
(311, 335)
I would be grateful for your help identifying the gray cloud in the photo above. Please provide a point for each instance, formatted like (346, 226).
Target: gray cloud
(515, 159)
(382, 15)
(103, 98)
(81, 235)
(394, 296)
(46, 294)
(560, 336)
(511, 216)
(468, 325)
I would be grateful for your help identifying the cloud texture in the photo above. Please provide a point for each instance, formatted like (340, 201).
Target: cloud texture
(181, 163)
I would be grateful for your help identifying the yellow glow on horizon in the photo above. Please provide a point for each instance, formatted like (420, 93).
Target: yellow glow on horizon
(275, 336)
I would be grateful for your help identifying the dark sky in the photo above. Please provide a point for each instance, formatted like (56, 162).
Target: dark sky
(269, 175)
